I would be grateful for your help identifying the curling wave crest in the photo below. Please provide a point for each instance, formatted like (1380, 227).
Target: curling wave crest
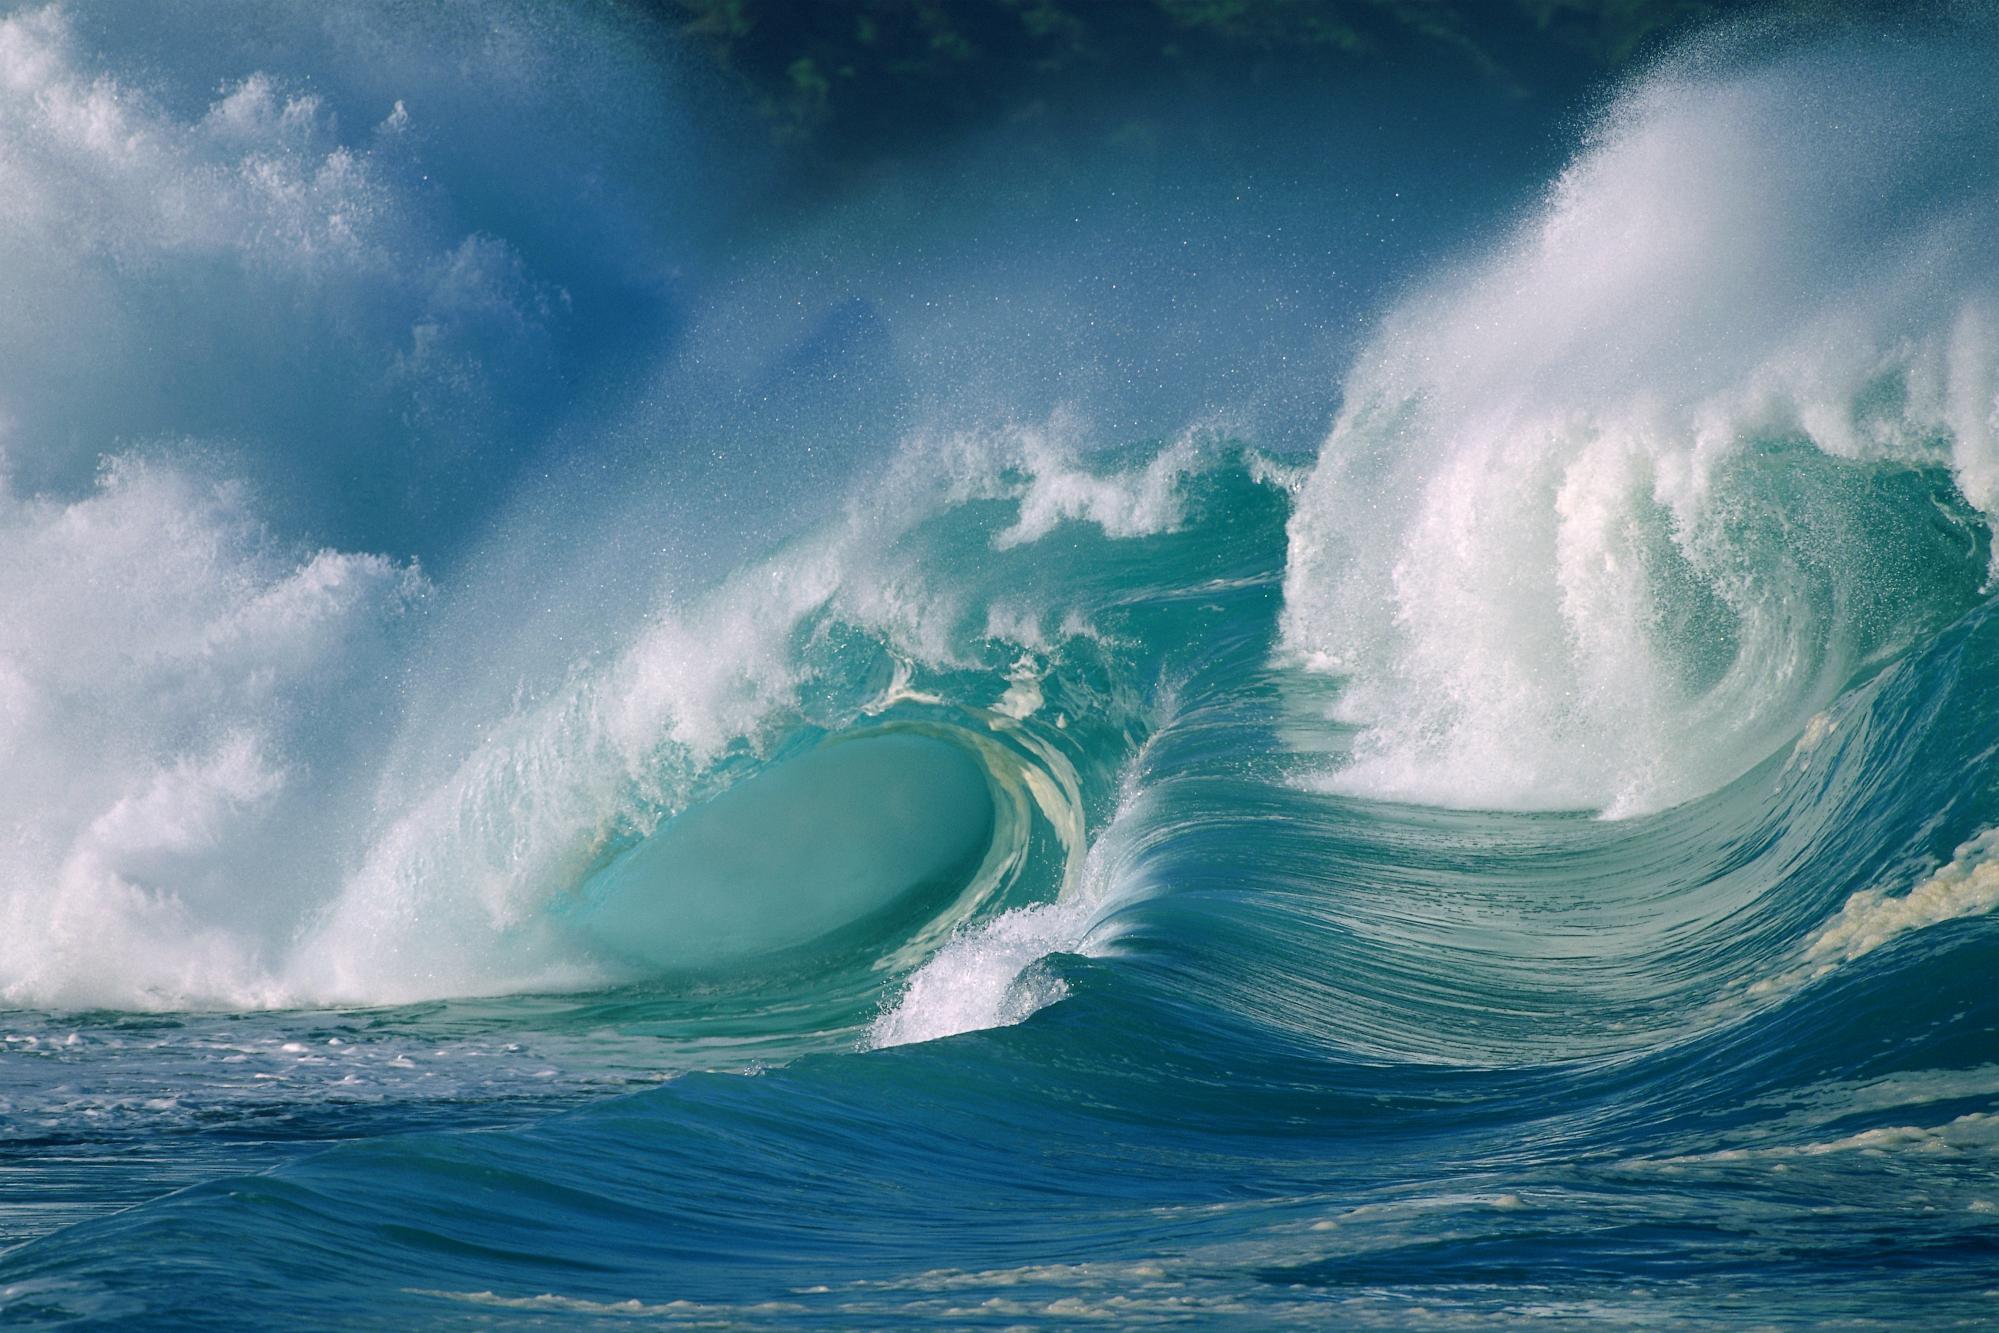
(1609, 513)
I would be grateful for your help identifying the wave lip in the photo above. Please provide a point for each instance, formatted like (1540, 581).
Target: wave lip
(1609, 512)
(960, 884)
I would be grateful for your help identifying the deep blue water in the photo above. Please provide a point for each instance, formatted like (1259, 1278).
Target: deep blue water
(1382, 714)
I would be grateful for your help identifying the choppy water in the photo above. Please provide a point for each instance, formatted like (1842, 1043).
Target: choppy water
(585, 759)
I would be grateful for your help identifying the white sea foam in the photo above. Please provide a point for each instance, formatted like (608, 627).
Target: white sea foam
(450, 896)
(985, 977)
(224, 783)
(1135, 503)
(1976, 1133)
(198, 811)
(1540, 542)
(988, 975)
(1967, 886)
(167, 269)
(190, 707)
(160, 666)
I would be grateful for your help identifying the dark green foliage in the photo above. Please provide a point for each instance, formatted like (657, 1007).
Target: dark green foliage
(862, 69)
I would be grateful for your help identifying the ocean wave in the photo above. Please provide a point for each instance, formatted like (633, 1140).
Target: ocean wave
(1532, 857)
(1610, 512)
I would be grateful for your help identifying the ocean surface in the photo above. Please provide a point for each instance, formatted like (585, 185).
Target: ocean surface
(1382, 714)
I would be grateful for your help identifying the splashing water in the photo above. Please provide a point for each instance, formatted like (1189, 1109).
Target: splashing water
(879, 749)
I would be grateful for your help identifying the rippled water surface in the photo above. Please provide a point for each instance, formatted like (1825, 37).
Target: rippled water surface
(574, 745)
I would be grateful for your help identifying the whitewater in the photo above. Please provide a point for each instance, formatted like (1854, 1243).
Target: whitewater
(1286, 727)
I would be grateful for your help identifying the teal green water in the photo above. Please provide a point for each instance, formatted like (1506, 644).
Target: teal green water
(1279, 1054)
(754, 848)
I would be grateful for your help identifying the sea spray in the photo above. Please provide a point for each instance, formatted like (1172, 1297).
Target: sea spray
(1605, 514)
(892, 789)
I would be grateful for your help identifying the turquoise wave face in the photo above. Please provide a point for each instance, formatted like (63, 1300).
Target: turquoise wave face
(842, 839)
(1533, 855)
(1266, 1049)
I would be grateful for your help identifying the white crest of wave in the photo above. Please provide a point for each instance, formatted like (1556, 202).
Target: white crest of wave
(1968, 886)
(199, 805)
(985, 977)
(1540, 543)
(1060, 488)
(452, 895)
(988, 975)
(161, 666)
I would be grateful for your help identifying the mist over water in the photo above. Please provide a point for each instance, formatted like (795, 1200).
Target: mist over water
(457, 315)
(1289, 704)
(1707, 436)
